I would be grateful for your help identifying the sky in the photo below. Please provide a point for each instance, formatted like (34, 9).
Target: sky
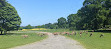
(39, 12)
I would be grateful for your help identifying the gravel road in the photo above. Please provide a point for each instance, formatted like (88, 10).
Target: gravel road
(53, 42)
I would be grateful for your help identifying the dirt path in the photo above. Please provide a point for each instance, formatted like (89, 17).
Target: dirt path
(53, 42)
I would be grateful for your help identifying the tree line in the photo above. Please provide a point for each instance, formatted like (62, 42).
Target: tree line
(93, 15)
(9, 18)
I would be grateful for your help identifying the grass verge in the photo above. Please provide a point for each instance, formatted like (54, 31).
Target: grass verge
(16, 39)
(94, 42)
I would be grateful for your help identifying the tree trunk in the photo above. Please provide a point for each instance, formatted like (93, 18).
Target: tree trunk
(5, 32)
(104, 23)
(1, 32)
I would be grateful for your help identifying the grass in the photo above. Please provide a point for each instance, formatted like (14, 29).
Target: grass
(54, 30)
(34, 29)
(15, 38)
(94, 42)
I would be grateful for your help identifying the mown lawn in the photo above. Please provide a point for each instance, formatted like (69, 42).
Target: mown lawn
(15, 38)
(94, 42)
(54, 30)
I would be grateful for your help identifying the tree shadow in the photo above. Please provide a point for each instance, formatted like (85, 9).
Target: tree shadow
(1, 34)
(13, 34)
(7, 34)
(10, 33)
(104, 31)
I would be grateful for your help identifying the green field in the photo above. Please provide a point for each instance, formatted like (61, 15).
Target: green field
(54, 30)
(15, 38)
(94, 42)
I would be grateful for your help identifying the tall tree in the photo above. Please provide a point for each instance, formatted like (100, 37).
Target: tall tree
(9, 18)
(107, 12)
(62, 22)
(72, 21)
(90, 14)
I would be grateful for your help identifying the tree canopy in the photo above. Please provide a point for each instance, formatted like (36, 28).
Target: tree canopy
(62, 22)
(94, 14)
(9, 18)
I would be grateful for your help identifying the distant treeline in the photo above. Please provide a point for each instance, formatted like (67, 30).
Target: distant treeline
(95, 14)
(62, 23)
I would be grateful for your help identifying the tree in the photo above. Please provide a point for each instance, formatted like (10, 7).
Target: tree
(62, 22)
(107, 12)
(40, 26)
(91, 15)
(20, 28)
(9, 19)
(28, 27)
(72, 20)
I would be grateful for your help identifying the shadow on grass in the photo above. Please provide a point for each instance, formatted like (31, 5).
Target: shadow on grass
(13, 34)
(104, 31)
(10, 33)
(1, 34)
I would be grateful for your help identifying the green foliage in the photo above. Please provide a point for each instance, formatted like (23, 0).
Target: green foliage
(28, 27)
(51, 26)
(42, 26)
(94, 14)
(62, 23)
(20, 28)
(9, 19)
(72, 20)
(48, 26)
